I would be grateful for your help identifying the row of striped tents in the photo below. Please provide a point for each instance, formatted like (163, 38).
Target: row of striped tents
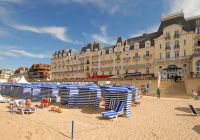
(119, 94)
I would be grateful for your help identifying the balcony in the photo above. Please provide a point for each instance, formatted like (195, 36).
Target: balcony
(126, 58)
(177, 47)
(167, 37)
(118, 59)
(197, 46)
(167, 48)
(176, 36)
(147, 56)
(136, 57)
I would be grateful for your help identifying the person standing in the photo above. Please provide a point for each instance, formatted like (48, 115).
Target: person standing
(158, 92)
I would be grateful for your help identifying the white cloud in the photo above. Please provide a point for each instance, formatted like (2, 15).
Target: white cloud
(22, 53)
(149, 30)
(55, 31)
(102, 37)
(189, 7)
(109, 6)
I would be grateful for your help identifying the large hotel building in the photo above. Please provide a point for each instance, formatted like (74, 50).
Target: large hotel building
(173, 49)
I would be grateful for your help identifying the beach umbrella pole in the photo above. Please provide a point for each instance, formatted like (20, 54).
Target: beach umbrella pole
(72, 131)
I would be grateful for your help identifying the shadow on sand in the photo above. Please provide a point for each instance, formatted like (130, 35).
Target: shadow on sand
(196, 128)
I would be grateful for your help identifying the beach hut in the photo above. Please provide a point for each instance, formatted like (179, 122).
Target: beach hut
(135, 91)
(87, 95)
(65, 90)
(119, 94)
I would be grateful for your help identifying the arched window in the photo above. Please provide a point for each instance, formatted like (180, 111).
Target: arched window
(198, 67)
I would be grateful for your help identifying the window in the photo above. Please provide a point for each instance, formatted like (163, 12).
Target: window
(160, 55)
(176, 34)
(160, 46)
(197, 30)
(184, 42)
(176, 44)
(167, 35)
(198, 67)
(167, 45)
(136, 55)
(198, 22)
(147, 53)
(184, 52)
(136, 46)
(198, 43)
(184, 65)
(127, 48)
(117, 71)
(176, 54)
(110, 72)
(147, 70)
(168, 55)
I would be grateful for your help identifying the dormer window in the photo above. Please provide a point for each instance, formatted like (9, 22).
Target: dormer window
(136, 46)
(110, 51)
(198, 30)
(147, 44)
(103, 52)
(198, 22)
(127, 48)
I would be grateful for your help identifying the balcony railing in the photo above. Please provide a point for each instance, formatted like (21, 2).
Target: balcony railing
(177, 47)
(167, 37)
(176, 36)
(167, 48)
(147, 56)
(136, 57)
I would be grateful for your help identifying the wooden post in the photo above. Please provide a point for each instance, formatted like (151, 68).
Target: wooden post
(72, 131)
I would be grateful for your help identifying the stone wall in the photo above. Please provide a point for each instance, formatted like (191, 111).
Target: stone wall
(192, 84)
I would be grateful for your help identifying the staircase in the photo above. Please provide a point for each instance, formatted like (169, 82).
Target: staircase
(173, 90)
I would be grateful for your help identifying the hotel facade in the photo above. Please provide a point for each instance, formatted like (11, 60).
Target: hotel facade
(173, 49)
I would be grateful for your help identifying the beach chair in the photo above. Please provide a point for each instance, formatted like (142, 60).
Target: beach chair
(3, 99)
(114, 113)
(112, 104)
(16, 108)
(194, 111)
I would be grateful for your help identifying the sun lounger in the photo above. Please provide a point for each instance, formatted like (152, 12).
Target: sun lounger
(112, 104)
(16, 108)
(194, 111)
(112, 113)
(3, 99)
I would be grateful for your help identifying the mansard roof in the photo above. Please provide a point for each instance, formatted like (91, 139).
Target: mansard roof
(142, 39)
(91, 46)
(177, 20)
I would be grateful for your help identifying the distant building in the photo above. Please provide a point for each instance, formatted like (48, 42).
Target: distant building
(39, 72)
(174, 49)
(19, 72)
(5, 75)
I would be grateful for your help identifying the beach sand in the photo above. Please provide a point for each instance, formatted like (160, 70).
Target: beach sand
(154, 119)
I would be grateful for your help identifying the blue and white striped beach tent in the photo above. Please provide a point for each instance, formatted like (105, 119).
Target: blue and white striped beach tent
(65, 90)
(36, 91)
(103, 89)
(7, 89)
(135, 91)
(87, 95)
(119, 94)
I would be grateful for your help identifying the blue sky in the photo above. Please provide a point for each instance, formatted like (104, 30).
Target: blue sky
(31, 30)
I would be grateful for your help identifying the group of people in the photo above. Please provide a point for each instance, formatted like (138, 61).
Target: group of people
(176, 78)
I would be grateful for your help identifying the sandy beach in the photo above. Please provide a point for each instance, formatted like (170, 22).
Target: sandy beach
(154, 119)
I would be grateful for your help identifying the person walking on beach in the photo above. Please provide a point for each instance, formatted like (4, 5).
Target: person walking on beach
(158, 92)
